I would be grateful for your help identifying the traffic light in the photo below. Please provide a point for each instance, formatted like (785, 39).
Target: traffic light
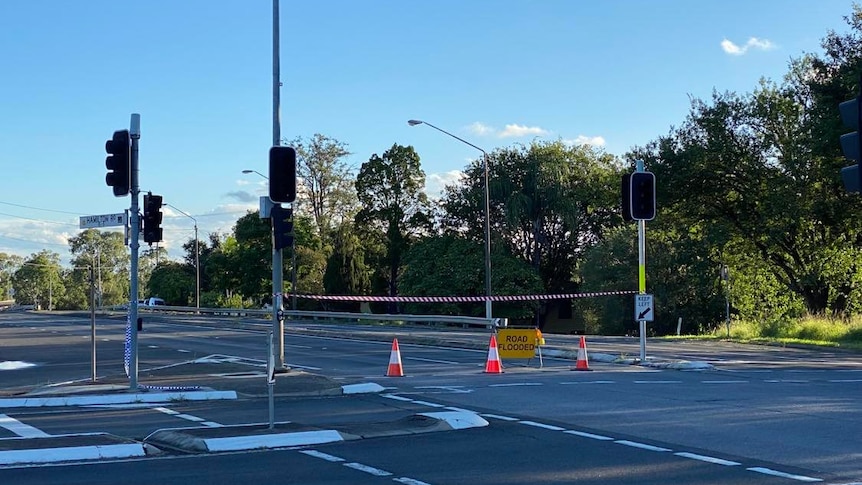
(282, 226)
(152, 218)
(642, 196)
(851, 143)
(119, 163)
(282, 174)
(627, 197)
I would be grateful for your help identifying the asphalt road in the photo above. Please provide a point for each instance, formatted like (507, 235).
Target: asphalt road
(789, 412)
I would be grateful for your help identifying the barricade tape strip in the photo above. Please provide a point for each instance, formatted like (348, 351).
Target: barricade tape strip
(459, 299)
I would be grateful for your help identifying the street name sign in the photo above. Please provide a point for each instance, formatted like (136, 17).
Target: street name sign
(644, 308)
(103, 220)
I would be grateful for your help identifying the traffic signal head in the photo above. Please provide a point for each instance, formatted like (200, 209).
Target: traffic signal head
(152, 218)
(850, 143)
(282, 174)
(627, 197)
(118, 163)
(642, 196)
(282, 226)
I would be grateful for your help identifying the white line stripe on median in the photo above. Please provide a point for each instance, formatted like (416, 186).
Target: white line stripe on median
(769, 471)
(21, 429)
(368, 469)
(708, 459)
(589, 435)
(643, 446)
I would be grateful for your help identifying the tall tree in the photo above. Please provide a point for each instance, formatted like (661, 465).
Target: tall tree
(38, 281)
(393, 203)
(326, 182)
(9, 263)
(107, 254)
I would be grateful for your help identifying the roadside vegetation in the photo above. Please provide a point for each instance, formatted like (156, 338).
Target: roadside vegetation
(752, 214)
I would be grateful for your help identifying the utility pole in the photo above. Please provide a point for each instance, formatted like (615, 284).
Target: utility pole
(135, 133)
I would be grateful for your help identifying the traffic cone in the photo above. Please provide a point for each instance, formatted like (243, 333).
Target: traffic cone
(583, 363)
(493, 364)
(395, 368)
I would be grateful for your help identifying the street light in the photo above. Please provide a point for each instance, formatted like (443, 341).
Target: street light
(197, 259)
(487, 213)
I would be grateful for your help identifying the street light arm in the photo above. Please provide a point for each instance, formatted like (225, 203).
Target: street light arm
(419, 122)
(181, 212)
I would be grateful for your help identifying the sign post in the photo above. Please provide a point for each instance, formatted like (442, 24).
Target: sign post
(103, 220)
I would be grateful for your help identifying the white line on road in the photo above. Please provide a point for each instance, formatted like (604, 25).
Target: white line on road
(409, 481)
(725, 382)
(542, 425)
(184, 351)
(433, 361)
(21, 429)
(708, 459)
(768, 471)
(429, 404)
(305, 367)
(588, 382)
(322, 455)
(643, 446)
(368, 469)
(517, 384)
(589, 435)
(786, 381)
(658, 382)
(844, 381)
(497, 416)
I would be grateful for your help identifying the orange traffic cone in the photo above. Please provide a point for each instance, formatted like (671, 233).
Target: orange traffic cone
(583, 363)
(493, 364)
(395, 368)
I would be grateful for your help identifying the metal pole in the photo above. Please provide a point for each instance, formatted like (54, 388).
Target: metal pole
(295, 207)
(487, 212)
(197, 271)
(135, 132)
(642, 272)
(277, 257)
(93, 319)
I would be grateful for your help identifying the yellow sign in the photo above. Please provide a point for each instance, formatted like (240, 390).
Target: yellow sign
(519, 343)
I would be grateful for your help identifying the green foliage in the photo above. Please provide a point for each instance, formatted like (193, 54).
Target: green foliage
(172, 282)
(38, 281)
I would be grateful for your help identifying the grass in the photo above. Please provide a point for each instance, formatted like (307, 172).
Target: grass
(810, 330)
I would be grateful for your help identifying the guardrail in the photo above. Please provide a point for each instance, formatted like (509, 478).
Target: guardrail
(335, 317)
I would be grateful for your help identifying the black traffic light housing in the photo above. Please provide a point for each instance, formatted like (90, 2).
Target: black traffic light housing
(851, 143)
(152, 218)
(626, 192)
(282, 174)
(642, 196)
(282, 226)
(119, 163)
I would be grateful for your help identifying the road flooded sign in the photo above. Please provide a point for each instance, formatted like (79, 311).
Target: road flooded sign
(515, 343)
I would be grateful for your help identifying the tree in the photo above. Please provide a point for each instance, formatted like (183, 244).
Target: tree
(38, 281)
(326, 181)
(9, 263)
(390, 190)
(346, 271)
(106, 252)
(172, 282)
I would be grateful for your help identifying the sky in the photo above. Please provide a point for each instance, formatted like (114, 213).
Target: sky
(613, 73)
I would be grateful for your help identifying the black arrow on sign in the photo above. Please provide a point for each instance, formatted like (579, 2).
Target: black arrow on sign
(642, 314)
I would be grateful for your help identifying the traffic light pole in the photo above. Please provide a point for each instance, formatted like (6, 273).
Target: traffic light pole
(277, 257)
(642, 272)
(135, 227)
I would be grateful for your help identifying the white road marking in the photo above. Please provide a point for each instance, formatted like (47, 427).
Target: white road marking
(589, 435)
(542, 425)
(397, 398)
(643, 446)
(166, 411)
(21, 429)
(322, 455)
(497, 416)
(433, 361)
(430, 404)
(844, 381)
(725, 382)
(184, 351)
(768, 471)
(786, 381)
(306, 367)
(589, 382)
(212, 424)
(658, 382)
(517, 384)
(189, 417)
(409, 481)
(368, 469)
(708, 459)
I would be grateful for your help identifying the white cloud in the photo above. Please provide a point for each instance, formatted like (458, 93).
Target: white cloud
(514, 131)
(596, 141)
(763, 44)
(480, 129)
(435, 182)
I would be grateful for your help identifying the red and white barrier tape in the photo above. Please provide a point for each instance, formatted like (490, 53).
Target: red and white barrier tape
(461, 299)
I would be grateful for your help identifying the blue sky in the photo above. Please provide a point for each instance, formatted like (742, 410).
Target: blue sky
(615, 73)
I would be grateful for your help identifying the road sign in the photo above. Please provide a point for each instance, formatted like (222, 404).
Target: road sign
(103, 220)
(643, 308)
(518, 343)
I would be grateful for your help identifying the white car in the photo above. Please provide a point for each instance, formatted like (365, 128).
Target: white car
(151, 302)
